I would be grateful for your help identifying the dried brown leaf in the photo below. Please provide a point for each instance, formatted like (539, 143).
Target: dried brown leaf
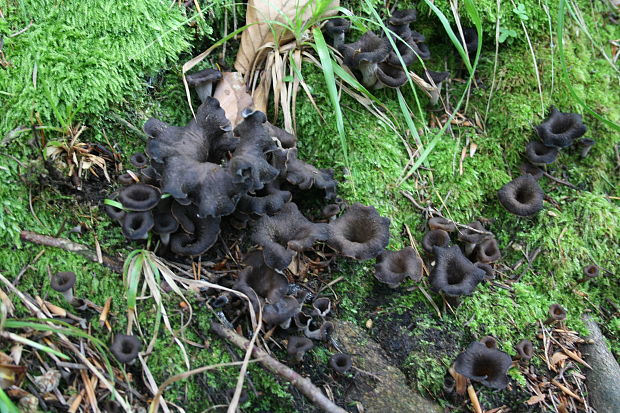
(233, 97)
(260, 34)
(558, 357)
(535, 399)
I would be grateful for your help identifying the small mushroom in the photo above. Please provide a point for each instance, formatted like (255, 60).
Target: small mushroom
(360, 233)
(285, 233)
(394, 266)
(586, 144)
(63, 282)
(125, 348)
(525, 350)
(489, 341)
(471, 40)
(302, 320)
(322, 333)
(337, 28)
(453, 274)
(364, 55)
(472, 235)
(539, 154)
(204, 234)
(297, 347)
(203, 82)
(340, 362)
(441, 223)
(436, 79)
(126, 179)
(136, 225)
(139, 197)
(435, 238)
(556, 313)
(322, 306)
(402, 17)
(522, 196)
(488, 251)
(330, 211)
(488, 366)
(488, 270)
(591, 271)
(389, 76)
(560, 129)
(139, 160)
(116, 214)
(281, 312)
(267, 283)
(528, 168)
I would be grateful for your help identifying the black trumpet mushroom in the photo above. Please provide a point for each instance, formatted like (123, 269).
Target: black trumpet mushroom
(488, 366)
(522, 196)
(394, 266)
(298, 346)
(340, 362)
(125, 348)
(453, 274)
(560, 129)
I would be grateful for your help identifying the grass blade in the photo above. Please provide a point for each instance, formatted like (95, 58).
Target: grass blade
(6, 405)
(560, 34)
(330, 80)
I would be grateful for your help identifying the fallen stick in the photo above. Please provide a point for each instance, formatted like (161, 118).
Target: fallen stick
(475, 404)
(304, 385)
(68, 245)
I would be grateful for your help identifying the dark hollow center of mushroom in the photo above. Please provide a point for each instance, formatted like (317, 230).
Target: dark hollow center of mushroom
(341, 362)
(561, 126)
(456, 276)
(356, 232)
(542, 150)
(127, 347)
(397, 266)
(558, 311)
(591, 270)
(136, 223)
(484, 367)
(490, 250)
(524, 195)
(141, 195)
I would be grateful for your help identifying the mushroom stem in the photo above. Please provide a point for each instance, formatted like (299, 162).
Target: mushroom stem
(164, 238)
(368, 69)
(338, 40)
(204, 91)
(586, 146)
(68, 295)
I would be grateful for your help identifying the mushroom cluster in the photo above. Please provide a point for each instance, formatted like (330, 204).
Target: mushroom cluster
(523, 196)
(382, 60)
(195, 181)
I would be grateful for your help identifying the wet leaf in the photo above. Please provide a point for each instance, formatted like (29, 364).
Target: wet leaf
(233, 97)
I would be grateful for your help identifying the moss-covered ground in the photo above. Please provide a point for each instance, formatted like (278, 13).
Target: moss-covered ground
(111, 65)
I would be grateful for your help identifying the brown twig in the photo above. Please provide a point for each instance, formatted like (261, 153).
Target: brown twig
(475, 403)
(67, 245)
(313, 393)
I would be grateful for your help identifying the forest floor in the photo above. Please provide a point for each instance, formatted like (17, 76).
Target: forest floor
(92, 73)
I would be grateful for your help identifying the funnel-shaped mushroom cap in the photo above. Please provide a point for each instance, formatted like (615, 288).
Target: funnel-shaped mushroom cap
(136, 225)
(488, 366)
(197, 243)
(394, 266)
(139, 160)
(207, 75)
(522, 196)
(528, 168)
(436, 77)
(337, 25)
(560, 129)
(164, 221)
(287, 140)
(297, 347)
(370, 48)
(475, 234)
(391, 76)
(139, 197)
(330, 210)
(539, 154)
(360, 233)
(404, 16)
(268, 200)
(488, 270)
(116, 214)
(591, 271)
(557, 312)
(266, 282)
(441, 223)
(488, 251)
(306, 176)
(453, 273)
(525, 349)
(125, 348)
(489, 341)
(407, 52)
(281, 312)
(403, 31)
(321, 333)
(340, 362)
(435, 238)
(284, 233)
(63, 281)
(322, 306)
(471, 40)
